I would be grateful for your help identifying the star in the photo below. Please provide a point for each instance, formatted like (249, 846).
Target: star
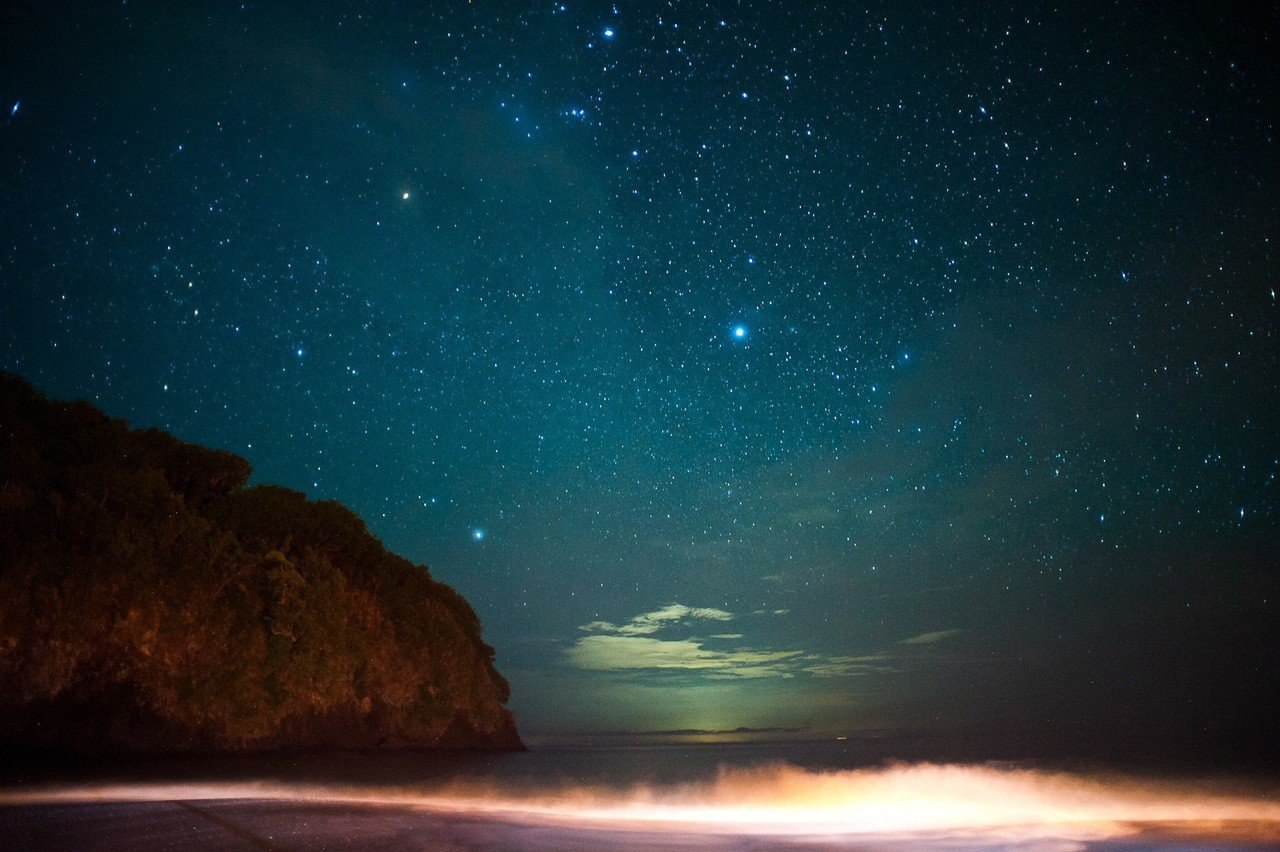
(541, 343)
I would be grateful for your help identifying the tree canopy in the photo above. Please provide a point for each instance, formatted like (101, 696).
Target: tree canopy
(151, 600)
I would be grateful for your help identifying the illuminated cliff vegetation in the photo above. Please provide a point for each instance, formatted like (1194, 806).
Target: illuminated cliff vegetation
(150, 600)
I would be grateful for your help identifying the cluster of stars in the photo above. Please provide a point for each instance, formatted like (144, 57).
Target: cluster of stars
(869, 303)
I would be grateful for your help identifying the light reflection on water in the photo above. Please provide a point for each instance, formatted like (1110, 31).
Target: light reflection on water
(943, 804)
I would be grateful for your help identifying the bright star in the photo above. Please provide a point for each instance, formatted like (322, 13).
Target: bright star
(404, 196)
(477, 534)
(740, 331)
(608, 32)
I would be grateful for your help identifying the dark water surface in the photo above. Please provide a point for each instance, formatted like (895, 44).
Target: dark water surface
(623, 760)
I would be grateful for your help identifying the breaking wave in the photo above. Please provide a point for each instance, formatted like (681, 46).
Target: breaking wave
(984, 804)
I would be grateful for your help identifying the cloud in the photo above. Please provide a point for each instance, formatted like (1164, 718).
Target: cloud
(647, 623)
(633, 647)
(848, 666)
(619, 653)
(930, 638)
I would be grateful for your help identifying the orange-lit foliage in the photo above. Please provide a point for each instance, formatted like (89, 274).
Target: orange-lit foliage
(149, 599)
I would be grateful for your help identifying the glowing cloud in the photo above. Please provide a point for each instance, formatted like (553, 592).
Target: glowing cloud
(651, 622)
(612, 653)
(633, 647)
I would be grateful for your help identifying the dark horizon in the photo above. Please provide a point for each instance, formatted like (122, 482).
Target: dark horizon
(862, 371)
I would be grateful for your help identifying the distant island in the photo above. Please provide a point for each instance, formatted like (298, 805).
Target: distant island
(151, 602)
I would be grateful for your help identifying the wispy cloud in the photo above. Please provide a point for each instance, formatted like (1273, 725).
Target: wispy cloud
(848, 666)
(619, 653)
(930, 638)
(634, 647)
(647, 623)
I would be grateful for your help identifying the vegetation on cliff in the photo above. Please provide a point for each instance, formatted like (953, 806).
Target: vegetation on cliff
(149, 600)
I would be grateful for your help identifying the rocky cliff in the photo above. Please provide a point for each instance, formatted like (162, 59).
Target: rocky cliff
(150, 601)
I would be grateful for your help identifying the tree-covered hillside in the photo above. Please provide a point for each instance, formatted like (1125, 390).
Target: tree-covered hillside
(149, 600)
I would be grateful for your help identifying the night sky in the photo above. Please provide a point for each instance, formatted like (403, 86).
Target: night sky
(884, 368)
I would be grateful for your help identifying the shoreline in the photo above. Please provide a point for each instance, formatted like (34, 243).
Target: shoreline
(278, 823)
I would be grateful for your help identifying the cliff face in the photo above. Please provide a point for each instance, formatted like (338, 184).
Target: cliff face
(149, 601)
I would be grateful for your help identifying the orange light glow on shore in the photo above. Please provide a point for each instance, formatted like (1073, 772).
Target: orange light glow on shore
(980, 803)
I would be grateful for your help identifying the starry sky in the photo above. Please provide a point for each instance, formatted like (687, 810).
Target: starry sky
(885, 367)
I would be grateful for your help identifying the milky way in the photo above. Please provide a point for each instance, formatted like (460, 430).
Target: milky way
(933, 351)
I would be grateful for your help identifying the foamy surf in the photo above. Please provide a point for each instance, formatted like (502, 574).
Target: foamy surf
(919, 804)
